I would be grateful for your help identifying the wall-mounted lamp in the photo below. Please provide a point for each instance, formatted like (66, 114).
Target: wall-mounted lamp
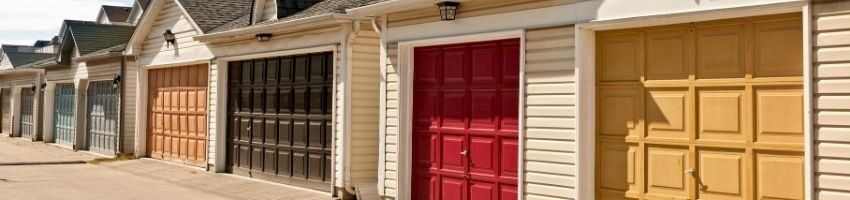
(169, 38)
(43, 85)
(448, 10)
(32, 88)
(116, 81)
(262, 37)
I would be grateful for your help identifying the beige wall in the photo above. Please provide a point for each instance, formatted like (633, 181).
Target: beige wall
(831, 25)
(365, 77)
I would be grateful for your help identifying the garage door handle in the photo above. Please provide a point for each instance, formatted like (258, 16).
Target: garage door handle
(464, 152)
(690, 171)
(249, 128)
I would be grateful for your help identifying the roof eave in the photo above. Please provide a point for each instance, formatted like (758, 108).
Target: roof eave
(390, 6)
(97, 56)
(297, 24)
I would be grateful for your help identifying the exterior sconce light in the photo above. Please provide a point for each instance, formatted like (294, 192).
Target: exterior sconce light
(169, 38)
(262, 37)
(448, 10)
(116, 81)
(32, 88)
(43, 85)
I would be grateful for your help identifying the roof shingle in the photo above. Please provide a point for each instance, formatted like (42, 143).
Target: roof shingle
(211, 14)
(90, 37)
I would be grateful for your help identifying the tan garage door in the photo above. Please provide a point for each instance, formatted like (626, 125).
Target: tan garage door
(177, 114)
(706, 110)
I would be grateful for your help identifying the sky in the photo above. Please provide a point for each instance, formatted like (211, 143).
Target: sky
(25, 21)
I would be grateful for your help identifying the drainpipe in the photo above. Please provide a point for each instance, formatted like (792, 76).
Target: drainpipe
(121, 110)
(355, 30)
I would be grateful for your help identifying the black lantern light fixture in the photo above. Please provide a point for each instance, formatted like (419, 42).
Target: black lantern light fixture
(116, 81)
(169, 37)
(262, 37)
(448, 10)
(32, 88)
(43, 85)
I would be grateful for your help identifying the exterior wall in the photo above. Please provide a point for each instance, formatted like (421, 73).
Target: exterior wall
(391, 143)
(130, 79)
(5, 63)
(6, 103)
(550, 159)
(269, 10)
(364, 102)
(155, 51)
(831, 26)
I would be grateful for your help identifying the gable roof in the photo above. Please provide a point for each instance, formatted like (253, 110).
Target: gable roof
(19, 59)
(117, 13)
(321, 8)
(209, 14)
(90, 37)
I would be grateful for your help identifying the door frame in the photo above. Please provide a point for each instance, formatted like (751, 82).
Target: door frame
(586, 80)
(405, 110)
(16, 109)
(222, 88)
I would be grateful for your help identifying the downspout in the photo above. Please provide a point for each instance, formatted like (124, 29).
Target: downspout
(121, 98)
(355, 30)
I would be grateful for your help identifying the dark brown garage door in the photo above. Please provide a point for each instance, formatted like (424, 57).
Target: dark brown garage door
(177, 114)
(279, 126)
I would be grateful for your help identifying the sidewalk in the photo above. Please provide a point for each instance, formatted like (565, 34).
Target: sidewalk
(40, 171)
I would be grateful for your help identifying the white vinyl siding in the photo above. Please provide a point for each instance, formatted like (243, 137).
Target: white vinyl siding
(550, 146)
(392, 121)
(128, 106)
(831, 25)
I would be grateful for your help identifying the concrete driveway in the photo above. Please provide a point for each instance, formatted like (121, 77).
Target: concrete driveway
(31, 170)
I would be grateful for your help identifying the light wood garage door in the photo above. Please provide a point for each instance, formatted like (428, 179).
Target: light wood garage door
(177, 114)
(706, 110)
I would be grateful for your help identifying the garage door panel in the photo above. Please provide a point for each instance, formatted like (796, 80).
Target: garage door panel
(269, 160)
(485, 64)
(257, 97)
(301, 100)
(667, 57)
(619, 166)
(287, 69)
(483, 191)
(779, 175)
(284, 162)
(271, 101)
(483, 154)
(623, 110)
(315, 99)
(665, 171)
(484, 109)
(773, 55)
(507, 158)
(620, 56)
(314, 134)
(427, 69)
(779, 114)
(720, 51)
(722, 173)
(284, 137)
(721, 114)
(510, 113)
(454, 109)
(668, 113)
(454, 73)
(301, 69)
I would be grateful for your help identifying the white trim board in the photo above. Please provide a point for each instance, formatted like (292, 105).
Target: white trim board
(405, 73)
(586, 72)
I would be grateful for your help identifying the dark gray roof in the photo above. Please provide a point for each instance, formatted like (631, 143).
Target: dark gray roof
(117, 13)
(209, 14)
(113, 49)
(43, 63)
(90, 37)
(321, 8)
(144, 4)
(19, 59)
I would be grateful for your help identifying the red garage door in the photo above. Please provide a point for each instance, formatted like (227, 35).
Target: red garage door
(465, 121)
